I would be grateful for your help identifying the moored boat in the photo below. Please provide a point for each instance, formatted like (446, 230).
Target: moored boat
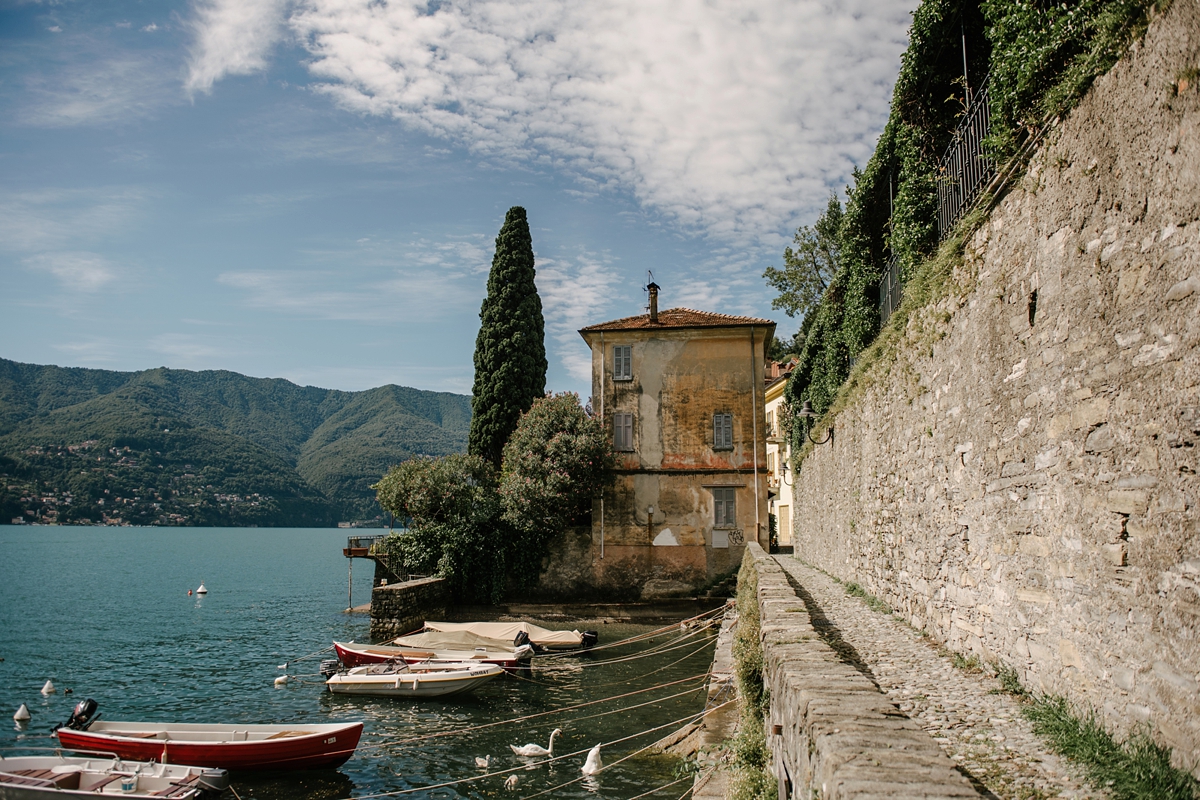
(37, 777)
(232, 747)
(399, 679)
(501, 633)
(422, 649)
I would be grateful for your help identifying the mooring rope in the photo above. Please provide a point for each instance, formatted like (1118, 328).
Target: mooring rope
(576, 707)
(685, 720)
(635, 638)
(660, 788)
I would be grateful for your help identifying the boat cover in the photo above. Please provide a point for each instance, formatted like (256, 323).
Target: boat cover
(507, 632)
(452, 640)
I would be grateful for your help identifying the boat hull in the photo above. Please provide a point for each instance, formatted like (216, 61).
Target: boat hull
(42, 777)
(356, 655)
(414, 685)
(264, 747)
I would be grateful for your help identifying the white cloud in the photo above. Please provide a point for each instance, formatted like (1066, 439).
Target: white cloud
(54, 29)
(732, 117)
(90, 351)
(106, 90)
(151, 28)
(64, 219)
(76, 272)
(187, 349)
(574, 294)
(421, 280)
(233, 37)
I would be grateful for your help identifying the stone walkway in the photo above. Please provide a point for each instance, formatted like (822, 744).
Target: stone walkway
(982, 732)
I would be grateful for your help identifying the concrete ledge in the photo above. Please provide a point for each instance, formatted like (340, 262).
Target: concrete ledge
(400, 608)
(839, 736)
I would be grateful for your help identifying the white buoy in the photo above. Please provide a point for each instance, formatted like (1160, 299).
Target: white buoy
(202, 590)
(22, 714)
(49, 688)
(281, 680)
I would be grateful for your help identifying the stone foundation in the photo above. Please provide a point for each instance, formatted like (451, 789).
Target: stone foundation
(400, 608)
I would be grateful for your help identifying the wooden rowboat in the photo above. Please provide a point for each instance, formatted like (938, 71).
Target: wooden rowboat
(48, 776)
(397, 679)
(352, 654)
(232, 747)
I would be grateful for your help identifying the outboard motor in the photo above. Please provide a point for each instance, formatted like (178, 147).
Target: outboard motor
(214, 780)
(588, 639)
(85, 714)
(522, 640)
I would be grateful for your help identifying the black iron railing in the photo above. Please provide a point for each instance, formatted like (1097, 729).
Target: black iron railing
(889, 289)
(965, 170)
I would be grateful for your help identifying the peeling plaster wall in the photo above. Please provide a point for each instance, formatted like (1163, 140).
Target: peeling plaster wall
(681, 377)
(1021, 481)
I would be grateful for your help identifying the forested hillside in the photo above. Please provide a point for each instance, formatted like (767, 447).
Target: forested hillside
(174, 447)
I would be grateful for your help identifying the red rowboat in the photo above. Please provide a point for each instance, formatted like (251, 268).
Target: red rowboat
(232, 747)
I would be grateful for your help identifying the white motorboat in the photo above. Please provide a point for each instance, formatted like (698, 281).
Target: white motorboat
(38, 777)
(399, 679)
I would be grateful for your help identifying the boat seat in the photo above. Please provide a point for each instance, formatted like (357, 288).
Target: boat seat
(30, 777)
(286, 734)
(98, 786)
(178, 788)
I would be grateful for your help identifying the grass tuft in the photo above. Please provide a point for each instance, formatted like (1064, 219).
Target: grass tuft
(1137, 769)
(1010, 681)
(873, 602)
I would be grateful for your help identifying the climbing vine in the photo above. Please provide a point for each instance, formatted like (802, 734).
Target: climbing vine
(1038, 58)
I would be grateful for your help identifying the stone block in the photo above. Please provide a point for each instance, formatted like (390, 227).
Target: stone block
(1127, 501)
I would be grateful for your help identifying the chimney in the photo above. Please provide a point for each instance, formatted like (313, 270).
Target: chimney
(652, 288)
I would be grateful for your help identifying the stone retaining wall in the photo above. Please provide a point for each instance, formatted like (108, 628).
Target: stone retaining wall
(1021, 480)
(401, 608)
(838, 736)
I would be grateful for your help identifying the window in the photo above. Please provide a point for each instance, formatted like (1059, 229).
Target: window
(623, 432)
(724, 508)
(722, 431)
(770, 423)
(622, 362)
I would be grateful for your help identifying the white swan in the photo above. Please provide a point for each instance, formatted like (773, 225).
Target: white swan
(510, 782)
(593, 763)
(482, 763)
(537, 749)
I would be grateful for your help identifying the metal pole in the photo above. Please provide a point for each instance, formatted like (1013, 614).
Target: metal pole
(966, 80)
(350, 589)
(603, 421)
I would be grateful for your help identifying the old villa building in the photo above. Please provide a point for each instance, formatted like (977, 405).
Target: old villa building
(780, 479)
(682, 394)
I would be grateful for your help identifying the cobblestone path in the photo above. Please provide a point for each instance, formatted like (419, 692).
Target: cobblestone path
(981, 730)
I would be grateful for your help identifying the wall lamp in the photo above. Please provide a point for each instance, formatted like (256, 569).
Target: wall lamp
(809, 415)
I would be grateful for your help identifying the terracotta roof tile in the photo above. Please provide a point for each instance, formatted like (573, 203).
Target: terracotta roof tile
(677, 318)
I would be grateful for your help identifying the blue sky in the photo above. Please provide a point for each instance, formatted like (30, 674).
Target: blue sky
(311, 189)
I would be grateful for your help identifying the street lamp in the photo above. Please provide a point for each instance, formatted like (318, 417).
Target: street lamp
(807, 413)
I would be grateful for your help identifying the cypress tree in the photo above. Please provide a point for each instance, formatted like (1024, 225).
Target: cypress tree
(510, 351)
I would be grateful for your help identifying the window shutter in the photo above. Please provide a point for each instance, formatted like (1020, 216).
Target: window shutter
(722, 431)
(622, 362)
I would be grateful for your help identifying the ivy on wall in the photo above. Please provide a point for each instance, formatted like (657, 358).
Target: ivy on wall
(1038, 58)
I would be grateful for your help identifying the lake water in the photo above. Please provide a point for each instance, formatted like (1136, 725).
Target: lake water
(106, 613)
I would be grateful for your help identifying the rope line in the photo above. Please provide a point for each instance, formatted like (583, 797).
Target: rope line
(577, 706)
(659, 789)
(635, 638)
(686, 720)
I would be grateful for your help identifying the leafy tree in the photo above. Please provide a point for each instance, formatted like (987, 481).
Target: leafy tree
(455, 530)
(555, 462)
(510, 351)
(808, 269)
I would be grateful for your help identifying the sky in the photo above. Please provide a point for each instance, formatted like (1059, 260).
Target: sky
(311, 189)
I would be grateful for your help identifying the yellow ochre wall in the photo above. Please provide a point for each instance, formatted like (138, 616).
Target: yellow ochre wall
(681, 378)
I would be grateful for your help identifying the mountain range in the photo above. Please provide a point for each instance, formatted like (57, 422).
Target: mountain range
(176, 447)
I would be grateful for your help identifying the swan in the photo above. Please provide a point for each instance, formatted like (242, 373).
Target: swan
(510, 782)
(482, 763)
(537, 749)
(593, 763)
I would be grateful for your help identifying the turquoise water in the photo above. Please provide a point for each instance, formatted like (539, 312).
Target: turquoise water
(106, 613)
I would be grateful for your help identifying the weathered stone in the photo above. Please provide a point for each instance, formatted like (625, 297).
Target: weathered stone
(1185, 288)
(1127, 501)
